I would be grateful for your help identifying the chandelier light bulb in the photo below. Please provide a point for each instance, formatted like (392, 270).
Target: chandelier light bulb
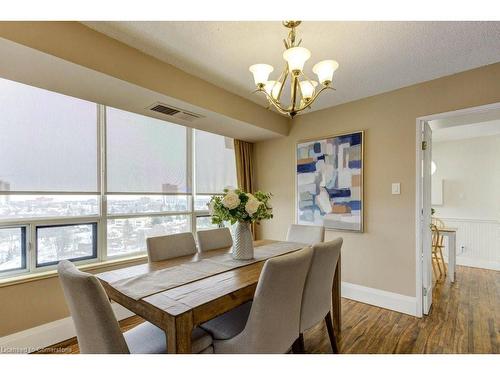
(324, 70)
(273, 88)
(296, 57)
(261, 73)
(307, 89)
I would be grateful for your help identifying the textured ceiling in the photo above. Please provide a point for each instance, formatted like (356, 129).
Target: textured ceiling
(464, 126)
(481, 129)
(374, 57)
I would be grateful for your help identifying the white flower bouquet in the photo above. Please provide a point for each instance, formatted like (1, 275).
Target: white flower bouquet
(238, 206)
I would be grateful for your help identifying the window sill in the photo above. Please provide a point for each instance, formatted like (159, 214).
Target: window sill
(26, 278)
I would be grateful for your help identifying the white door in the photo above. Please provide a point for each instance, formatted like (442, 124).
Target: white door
(426, 217)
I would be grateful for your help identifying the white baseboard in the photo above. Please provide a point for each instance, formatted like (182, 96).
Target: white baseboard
(478, 263)
(380, 298)
(42, 336)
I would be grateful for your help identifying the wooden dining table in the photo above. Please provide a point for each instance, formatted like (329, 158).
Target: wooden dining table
(180, 309)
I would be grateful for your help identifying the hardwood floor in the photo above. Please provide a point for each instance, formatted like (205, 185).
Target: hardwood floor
(465, 318)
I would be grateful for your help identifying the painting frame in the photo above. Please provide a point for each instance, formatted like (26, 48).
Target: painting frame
(329, 227)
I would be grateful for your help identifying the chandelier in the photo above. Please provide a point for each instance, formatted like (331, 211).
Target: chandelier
(303, 91)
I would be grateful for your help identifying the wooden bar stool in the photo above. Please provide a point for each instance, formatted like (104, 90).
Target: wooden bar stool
(437, 252)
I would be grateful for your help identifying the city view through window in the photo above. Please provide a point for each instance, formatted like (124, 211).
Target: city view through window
(50, 179)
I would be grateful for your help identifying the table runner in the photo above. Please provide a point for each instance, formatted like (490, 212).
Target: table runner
(144, 285)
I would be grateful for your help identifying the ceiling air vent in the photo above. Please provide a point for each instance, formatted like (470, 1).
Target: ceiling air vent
(174, 112)
(164, 109)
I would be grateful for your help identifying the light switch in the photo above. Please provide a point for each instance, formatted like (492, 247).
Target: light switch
(396, 188)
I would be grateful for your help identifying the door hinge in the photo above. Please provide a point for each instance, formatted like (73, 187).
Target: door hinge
(424, 145)
(424, 291)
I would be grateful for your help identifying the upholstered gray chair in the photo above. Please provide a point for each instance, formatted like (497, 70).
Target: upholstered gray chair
(213, 239)
(271, 323)
(317, 297)
(170, 246)
(97, 329)
(308, 234)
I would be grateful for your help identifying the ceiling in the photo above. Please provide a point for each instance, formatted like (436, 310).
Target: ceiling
(374, 57)
(465, 126)
(481, 129)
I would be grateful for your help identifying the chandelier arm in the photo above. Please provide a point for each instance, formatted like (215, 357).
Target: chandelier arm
(293, 94)
(309, 102)
(282, 80)
(279, 108)
(307, 79)
(275, 103)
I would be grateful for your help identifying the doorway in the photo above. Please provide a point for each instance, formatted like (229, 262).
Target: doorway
(434, 194)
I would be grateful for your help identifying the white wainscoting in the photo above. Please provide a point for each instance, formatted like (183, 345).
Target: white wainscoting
(478, 242)
(40, 337)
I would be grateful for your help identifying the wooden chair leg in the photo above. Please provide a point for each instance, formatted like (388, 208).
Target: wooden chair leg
(331, 333)
(434, 268)
(436, 258)
(298, 345)
(442, 260)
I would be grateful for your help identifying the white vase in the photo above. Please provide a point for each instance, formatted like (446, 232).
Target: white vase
(242, 241)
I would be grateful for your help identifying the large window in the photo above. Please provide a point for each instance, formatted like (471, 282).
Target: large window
(215, 163)
(85, 182)
(129, 235)
(14, 205)
(49, 141)
(145, 155)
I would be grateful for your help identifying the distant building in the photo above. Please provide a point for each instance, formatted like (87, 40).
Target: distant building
(4, 186)
(169, 188)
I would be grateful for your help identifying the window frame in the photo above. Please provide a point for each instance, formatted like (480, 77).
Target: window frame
(95, 237)
(99, 221)
(24, 251)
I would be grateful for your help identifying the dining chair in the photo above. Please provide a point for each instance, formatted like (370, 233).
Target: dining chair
(307, 234)
(97, 329)
(170, 246)
(437, 252)
(270, 323)
(317, 296)
(213, 239)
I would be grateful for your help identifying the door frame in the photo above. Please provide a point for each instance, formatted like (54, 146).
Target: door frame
(419, 190)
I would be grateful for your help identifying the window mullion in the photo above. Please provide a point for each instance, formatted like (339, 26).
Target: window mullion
(192, 176)
(31, 248)
(103, 222)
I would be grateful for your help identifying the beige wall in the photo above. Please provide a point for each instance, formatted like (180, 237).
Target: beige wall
(382, 257)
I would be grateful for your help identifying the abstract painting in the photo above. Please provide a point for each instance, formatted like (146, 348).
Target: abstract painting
(330, 182)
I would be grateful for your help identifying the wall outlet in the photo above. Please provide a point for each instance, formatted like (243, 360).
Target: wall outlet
(396, 188)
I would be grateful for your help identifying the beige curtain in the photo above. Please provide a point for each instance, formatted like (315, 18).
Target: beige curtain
(244, 168)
